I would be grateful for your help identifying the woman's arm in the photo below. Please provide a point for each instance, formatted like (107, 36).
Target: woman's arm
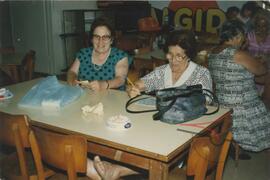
(254, 66)
(121, 70)
(72, 73)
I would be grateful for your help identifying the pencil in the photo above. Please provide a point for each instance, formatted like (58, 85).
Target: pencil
(130, 82)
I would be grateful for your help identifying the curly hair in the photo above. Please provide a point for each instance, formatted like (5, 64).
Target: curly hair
(261, 14)
(102, 21)
(183, 38)
(230, 29)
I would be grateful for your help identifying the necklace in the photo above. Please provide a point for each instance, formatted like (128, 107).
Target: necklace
(99, 67)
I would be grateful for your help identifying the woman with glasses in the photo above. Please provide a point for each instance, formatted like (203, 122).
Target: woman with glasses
(233, 72)
(101, 66)
(180, 49)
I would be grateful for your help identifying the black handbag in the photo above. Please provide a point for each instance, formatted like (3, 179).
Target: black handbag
(179, 104)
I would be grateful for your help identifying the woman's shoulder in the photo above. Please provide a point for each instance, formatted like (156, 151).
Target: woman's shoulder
(117, 51)
(85, 50)
(199, 67)
(222, 50)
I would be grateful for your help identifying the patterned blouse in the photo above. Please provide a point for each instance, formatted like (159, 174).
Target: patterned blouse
(161, 77)
(106, 71)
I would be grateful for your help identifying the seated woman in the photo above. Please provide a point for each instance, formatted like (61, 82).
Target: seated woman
(259, 46)
(180, 49)
(233, 72)
(102, 65)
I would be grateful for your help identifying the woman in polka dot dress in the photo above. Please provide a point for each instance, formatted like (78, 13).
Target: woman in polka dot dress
(102, 65)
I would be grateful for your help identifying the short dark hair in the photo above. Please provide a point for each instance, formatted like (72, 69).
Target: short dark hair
(232, 9)
(183, 38)
(102, 21)
(230, 29)
(250, 6)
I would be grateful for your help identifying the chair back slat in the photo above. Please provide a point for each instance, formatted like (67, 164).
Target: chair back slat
(8, 124)
(218, 145)
(14, 131)
(54, 147)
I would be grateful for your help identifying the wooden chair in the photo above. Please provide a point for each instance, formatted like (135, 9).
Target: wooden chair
(27, 66)
(14, 131)
(65, 152)
(19, 67)
(206, 154)
(199, 158)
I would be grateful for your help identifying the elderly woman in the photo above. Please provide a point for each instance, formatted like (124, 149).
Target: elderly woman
(101, 66)
(259, 46)
(233, 72)
(180, 49)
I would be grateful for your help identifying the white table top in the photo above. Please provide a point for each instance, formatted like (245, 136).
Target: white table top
(144, 134)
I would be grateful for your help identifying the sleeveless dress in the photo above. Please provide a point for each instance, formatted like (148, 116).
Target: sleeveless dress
(235, 88)
(89, 71)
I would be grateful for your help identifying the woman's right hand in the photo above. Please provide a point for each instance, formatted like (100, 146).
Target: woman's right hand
(133, 91)
(72, 78)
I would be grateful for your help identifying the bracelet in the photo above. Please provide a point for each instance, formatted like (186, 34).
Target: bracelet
(108, 85)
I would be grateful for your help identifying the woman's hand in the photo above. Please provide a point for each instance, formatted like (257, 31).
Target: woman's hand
(133, 91)
(72, 78)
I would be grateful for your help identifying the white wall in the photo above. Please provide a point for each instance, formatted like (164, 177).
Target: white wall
(57, 8)
(37, 25)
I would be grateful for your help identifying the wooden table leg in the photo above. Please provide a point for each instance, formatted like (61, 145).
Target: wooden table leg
(158, 170)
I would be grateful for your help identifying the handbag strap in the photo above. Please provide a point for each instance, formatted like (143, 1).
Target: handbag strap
(135, 99)
(157, 115)
(214, 98)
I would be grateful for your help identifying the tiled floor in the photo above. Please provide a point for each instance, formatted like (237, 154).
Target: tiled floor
(257, 168)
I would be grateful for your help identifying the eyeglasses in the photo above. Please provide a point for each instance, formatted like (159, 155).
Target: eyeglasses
(178, 57)
(104, 38)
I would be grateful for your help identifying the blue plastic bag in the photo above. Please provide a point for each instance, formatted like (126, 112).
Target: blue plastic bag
(49, 93)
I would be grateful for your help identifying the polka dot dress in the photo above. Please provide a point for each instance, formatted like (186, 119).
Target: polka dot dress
(106, 71)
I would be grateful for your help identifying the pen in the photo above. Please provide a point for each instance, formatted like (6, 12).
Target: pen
(130, 82)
